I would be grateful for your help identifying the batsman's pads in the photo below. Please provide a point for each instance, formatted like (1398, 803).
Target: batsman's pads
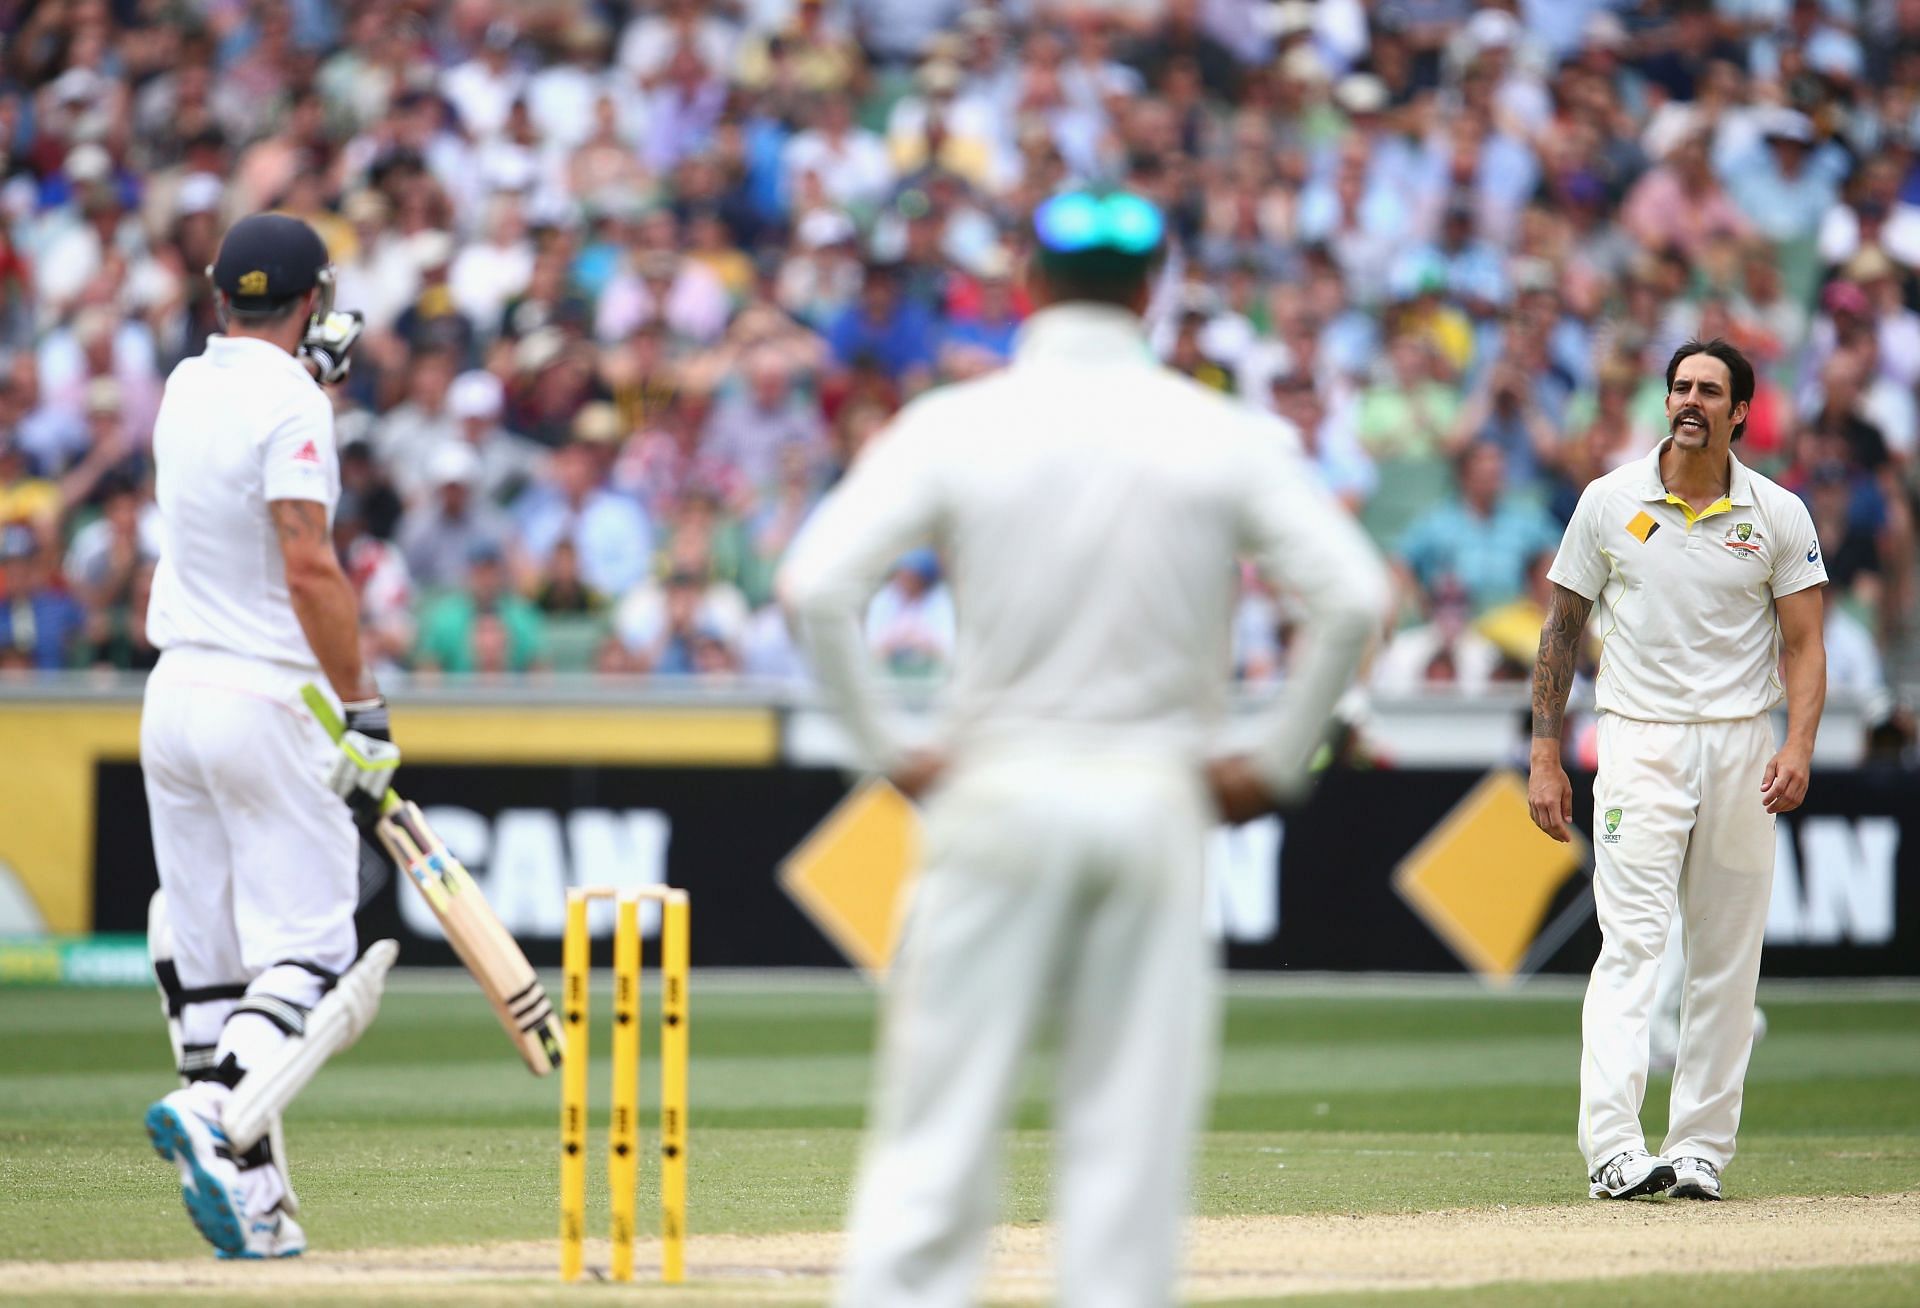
(332, 1025)
(329, 343)
(476, 934)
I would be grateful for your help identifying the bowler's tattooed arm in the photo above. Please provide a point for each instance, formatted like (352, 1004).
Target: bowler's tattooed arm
(1553, 670)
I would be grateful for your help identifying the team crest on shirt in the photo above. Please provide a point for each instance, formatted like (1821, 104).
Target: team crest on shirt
(1740, 539)
(1612, 820)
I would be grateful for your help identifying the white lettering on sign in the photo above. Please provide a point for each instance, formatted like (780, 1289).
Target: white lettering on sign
(524, 860)
(1838, 886)
(1243, 882)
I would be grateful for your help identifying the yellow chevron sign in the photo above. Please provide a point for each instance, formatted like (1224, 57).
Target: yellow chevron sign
(850, 875)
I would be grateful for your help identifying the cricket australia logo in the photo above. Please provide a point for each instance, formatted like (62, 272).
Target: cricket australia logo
(1611, 818)
(1739, 539)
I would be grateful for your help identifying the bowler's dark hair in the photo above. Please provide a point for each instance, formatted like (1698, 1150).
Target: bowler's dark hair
(1737, 368)
(1100, 276)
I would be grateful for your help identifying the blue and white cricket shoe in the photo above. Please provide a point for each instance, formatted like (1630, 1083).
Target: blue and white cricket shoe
(274, 1236)
(209, 1179)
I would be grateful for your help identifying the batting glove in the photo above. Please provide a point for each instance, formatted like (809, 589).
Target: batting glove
(329, 344)
(364, 762)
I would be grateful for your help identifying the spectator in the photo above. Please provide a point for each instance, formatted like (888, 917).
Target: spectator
(508, 463)
(910, 623)
(609, 531)
(758, 420)
(1443, 651)
(687, 625)
(482, 628)
(1482, 538)
(41, 624)
(419, 424)
(452, 521)
(886, 327)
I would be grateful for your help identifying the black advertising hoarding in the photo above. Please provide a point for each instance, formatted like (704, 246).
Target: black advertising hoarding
(1313, 891)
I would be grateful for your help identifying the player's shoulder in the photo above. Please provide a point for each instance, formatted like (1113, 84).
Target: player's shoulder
(1625, 482)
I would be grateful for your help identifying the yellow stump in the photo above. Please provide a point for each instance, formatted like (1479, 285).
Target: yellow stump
(623, 1133)
(575, 955)
(673, 1087)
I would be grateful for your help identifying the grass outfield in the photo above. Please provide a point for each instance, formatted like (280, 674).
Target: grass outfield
(1358, 1101)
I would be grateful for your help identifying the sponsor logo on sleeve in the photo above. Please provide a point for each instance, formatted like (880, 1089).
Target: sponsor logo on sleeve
(1813, 552)
(307, 454)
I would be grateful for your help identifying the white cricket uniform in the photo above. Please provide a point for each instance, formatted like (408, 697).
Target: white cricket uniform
(1688, 676)
(258, 858)
(1089, 506)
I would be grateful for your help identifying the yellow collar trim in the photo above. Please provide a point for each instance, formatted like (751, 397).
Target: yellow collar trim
(1721, 505)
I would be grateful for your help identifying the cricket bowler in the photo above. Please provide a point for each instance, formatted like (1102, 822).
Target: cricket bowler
(1708, 578)
(253, 936)
(1089, 505)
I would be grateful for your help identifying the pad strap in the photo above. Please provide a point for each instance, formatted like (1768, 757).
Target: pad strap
(289, 1017)
(179, 997)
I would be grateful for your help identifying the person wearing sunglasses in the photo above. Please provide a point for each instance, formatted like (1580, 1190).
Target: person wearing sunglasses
(1088, 506)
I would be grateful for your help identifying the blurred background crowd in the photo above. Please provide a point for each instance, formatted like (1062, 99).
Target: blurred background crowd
(641, 278)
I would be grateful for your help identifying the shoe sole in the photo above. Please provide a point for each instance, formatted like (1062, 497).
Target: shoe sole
(1691, 1190)
(1660, 1178)
(207, 1201)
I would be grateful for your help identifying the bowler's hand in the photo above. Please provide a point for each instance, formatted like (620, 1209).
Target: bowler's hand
(1550, 798)
(1238, 791)
(918, 772)
(1785, 782)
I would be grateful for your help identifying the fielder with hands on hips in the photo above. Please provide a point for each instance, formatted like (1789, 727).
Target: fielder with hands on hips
(252, 930)
(1090, 506)
(1708, 577)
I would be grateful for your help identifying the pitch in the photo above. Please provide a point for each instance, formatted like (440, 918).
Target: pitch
(1406, 1144)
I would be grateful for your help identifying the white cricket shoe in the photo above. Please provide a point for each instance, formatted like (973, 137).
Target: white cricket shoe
(275, 1235)
(186, 1136)
(1695, 1178)
(1631, 1172)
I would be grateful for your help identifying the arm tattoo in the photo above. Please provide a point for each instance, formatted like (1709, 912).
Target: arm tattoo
(297, 522)
(1553, 671)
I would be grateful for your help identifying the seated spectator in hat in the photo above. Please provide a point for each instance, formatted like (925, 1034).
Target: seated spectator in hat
(984, 316)
(851, 162)
(433, 320)
(482, 627)
(1787, 183)
(1507, 410)
(810, 52)
(609, 530)
(887, 328)
(1679, 204)
(685, 625)
(1445, 650)
(442, 529)
(910, 622)
(1482, 537)
(41, 623)
(508, 463)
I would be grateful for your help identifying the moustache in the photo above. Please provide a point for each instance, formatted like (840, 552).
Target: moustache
(1684, 414)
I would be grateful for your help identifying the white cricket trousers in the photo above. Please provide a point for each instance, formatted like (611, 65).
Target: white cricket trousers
(1065, 890)
(258, 858)
(1692, 835)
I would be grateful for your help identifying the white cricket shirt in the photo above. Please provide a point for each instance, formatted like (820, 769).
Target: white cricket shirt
(1687, 621)
(239, 426)
(1089, 506)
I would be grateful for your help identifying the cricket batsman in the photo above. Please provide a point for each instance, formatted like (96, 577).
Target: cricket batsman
(252, 932)
(1709, 579)
(1090, 506)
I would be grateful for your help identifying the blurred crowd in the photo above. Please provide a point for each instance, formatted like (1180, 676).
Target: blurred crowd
(641, 278)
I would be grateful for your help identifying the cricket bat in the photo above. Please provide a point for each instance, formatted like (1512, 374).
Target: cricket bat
(476, 934)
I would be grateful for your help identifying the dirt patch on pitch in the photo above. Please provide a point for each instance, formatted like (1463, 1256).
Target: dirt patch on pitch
(1229, 1258)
